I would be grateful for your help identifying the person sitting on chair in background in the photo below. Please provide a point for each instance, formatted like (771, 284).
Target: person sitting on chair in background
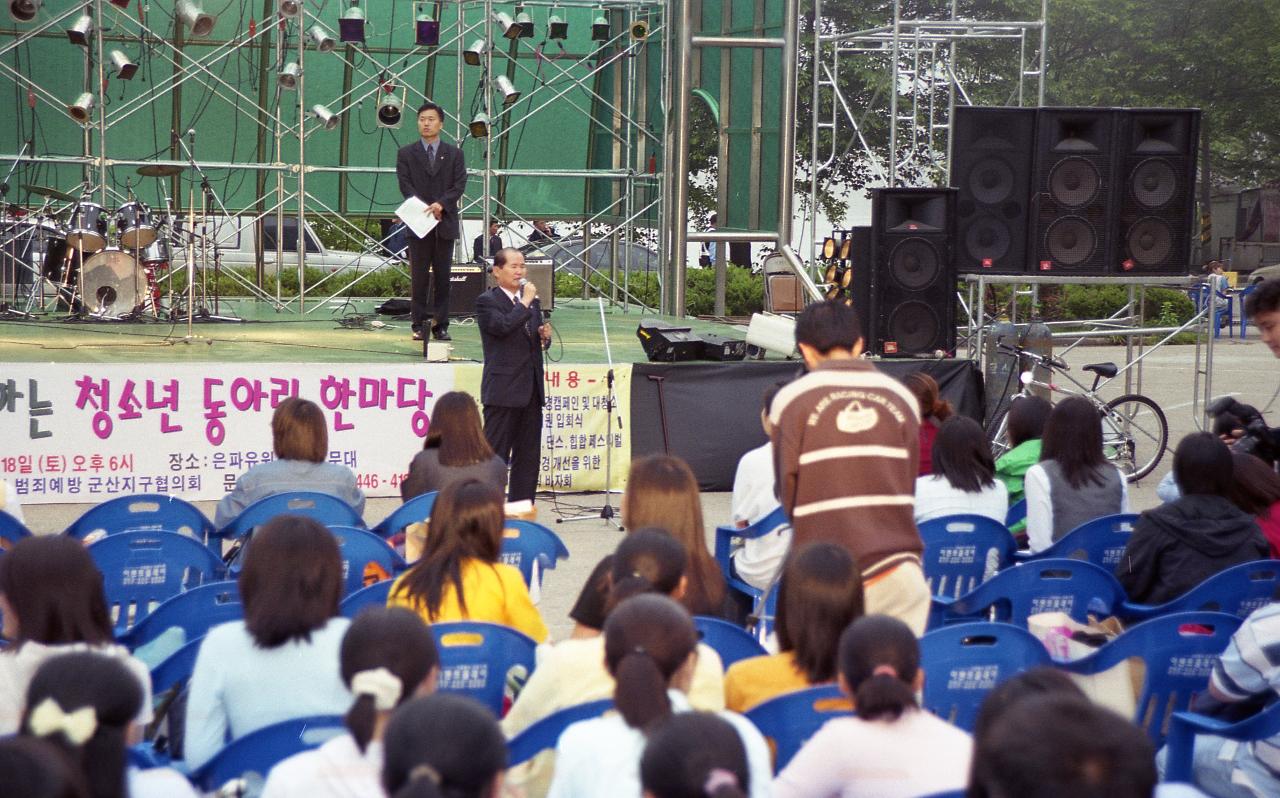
(755, 496)
(934, 410)
(964, 476)
(455, 449)
(1023, 433)
(542, 232)
(479, 251)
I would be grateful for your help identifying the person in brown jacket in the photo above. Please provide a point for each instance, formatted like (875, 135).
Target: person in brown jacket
(846, 452)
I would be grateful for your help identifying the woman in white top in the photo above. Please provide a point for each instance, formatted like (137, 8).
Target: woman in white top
(964, 475)
(388, 657)
(52, 600)
(281, 661)
(892, 748)
(444, 745)
(650, 648)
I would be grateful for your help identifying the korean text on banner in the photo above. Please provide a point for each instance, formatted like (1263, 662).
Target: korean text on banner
(575, 423)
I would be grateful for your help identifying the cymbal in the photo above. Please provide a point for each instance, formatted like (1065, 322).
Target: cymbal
(160, 170)
(51, 193)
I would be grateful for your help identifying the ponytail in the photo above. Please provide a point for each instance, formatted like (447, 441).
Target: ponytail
(879, 660)
(648, 560)
(641, 690)
(928, 396)
(424, 782)
(386, 654)
(646, 641)
(695, 755)
(883, 695)
(442, 745)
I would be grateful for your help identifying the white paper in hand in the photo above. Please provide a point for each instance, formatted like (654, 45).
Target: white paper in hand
(413, 212)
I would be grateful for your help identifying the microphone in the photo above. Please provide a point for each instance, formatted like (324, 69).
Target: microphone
(523, 282)
(191, 138)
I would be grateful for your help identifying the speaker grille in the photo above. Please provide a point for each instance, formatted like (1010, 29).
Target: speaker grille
(914, 264)
(1156, 211)
(1074, 182)
(1154, 182)
(987, 238)
(1149, 241)
(991, 181)
(1071, 241)
(991, 168)
(915, 327)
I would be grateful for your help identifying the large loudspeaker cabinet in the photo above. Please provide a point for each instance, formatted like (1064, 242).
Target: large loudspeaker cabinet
(991, 170)
(862, 262)
(1073, 206)
(1156, 154)
(914, 280)
(542, 273)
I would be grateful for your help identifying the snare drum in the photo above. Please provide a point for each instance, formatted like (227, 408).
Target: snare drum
(155, 253)
(135, 226)
(87, 230)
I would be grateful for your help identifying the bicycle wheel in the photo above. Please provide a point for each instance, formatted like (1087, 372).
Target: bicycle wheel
(1134, 434)
(996, 433)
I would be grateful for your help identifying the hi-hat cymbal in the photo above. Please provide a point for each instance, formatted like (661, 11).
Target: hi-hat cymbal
(160, 170)
(51, 193)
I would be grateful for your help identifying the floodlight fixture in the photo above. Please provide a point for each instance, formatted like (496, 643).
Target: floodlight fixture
(600, 26)
(290, 8)
(351, 26)
(328, 119)
(390, 111)
(474, 55)
(510, 94)
(288, 77)
(82, 109)
(81, 31)
(525, 23)
(479, 126)
(323, 39)
(124, 67)
(426, 28)
(193, 16)
(829, 247)
(24, 10)
(639, 30)
(506, 24)
(557, 28)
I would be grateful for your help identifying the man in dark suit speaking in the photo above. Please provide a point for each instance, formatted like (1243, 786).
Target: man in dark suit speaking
(513, 335)
(433, 171)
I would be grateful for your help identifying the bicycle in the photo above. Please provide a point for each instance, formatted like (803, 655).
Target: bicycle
(1132, 424)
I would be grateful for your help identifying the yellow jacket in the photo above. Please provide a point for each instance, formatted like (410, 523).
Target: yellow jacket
(495, 593)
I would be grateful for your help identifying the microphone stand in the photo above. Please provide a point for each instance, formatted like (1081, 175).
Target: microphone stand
(606, 512)
(206, 194)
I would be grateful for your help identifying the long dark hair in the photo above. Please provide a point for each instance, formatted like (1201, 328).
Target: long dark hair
(962, 455)
(292, 580)
(879, 659)
(39, 770)
(1027, 417)
(384, 637)
(466, 524)
(55, 592)
(442, 745)
(646, 640)
(1202, 465)
(85, 679)
(820, 594)
(646, 561)
(1073, 439)
(695, 755)
(457, 432)
(1255, 487)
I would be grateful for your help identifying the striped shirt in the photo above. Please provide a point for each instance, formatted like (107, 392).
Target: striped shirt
(1251, 667)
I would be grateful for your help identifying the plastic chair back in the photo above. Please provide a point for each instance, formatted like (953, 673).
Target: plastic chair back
(194, 611)
(531, 547)
(146, 512)
(731, 642)
(252, 756)
(142, 569)
(1179, 652)
(961, 551)
(328, 510)
(545, 733)
(176, 668)
(360, 548)
(414, 511)
(475, 659)
(962, 663)
(374, 595)
(11, 530)
(1184, 726)
(1238, 591)
(1101, 541)
(1014, 594)
(789, 720)
(725, 536)
(1017, 512)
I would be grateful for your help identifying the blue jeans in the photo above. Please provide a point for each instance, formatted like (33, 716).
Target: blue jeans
(1226, 769)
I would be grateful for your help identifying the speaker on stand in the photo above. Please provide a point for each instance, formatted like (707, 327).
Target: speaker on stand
(991, 171)
(913, 289)
(1074, 200)
(1156, 154)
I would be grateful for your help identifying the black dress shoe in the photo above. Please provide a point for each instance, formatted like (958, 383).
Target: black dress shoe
(417, 335)
(441, 335)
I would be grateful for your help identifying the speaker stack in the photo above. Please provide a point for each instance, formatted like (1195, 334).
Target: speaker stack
(913, 277)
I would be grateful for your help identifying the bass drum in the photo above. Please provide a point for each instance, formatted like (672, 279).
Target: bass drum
(111, 284)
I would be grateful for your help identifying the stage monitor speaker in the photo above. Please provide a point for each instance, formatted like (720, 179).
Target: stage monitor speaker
(991, 171)
(1073, 207)
(466, 281)
(913, 288)
(1156, 154)
(667, 343)
(719, 347)
(539, 271)
(862, 280)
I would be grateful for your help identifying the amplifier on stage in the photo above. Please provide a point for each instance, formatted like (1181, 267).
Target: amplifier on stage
(718, 347)
(668, 343)
(466, 281)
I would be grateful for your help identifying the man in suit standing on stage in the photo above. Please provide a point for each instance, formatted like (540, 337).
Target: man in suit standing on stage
(513, 335)
(433, 171)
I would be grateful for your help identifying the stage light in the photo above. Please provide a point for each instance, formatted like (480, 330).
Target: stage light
(525, 23)
(557, 28)
(198, 22)
(322, 38)
(351, 26)
(474, 55)
(829, 246)
(290, 8)
(771, 332)
(328, 119)
(427, 28)
(288, 77)
(640, 30)
(82, 108)
(600, 27)
(125, 68)
(390, 111)
(510, 94)
(24, 10)
(507, 25)
(81, 30)
(479, 126)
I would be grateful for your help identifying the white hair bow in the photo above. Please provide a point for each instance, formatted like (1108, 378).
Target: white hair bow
(48, 719)
(380, 683)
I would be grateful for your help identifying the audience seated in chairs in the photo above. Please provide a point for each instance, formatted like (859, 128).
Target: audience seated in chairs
(281, 662)
(460, 577)
(892, 748)
(964, 476)
(820, 594)
(1255, 488)
(300, 439)
(650, 648)
(1178, 545)
(934, 412)
(1024, 430)
(85, 704)
(1073, 482)
(758, 560)
(388, 657)
(695, 754)
(455, 449)
(53, 603)
(443, 746)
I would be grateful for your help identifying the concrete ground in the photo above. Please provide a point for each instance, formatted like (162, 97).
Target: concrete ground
(1245, 369)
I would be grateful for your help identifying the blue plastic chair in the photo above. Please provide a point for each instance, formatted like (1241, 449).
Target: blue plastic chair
(731, 642)
(142, 569)
(374, 595)
(475, 659)
(1242, 296)
(416, 510)
(359, 548)
(545, 733)
(962, 663)
(960, 551)
(176, 669)
(526, 544)
(1017, 512)
(194, 611)
(1179, 652)
(253, 755)
(328, 510)
(146, 512)
(11, 530)
(1184, 726)
(1012, 595)
(1238, 591)
(1101, 541)
(1222, 316)
(725, 536)
(791, 719)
